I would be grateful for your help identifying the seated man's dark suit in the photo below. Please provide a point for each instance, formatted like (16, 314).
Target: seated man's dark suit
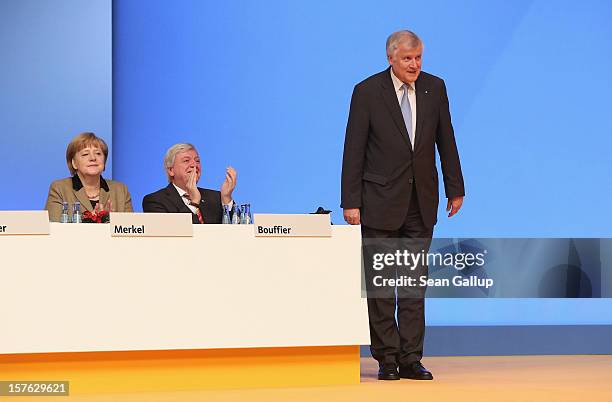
(168, 200)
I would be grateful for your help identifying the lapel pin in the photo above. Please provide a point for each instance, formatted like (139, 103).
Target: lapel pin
(426, 91)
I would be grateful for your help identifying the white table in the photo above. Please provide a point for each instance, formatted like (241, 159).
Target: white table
(81, 290)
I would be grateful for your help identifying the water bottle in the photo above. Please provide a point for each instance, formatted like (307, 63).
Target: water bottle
(242, 214)
(236, 215)
(226, 216)
(64, 217)
(249, 216)
(246, 215)
(76, 213)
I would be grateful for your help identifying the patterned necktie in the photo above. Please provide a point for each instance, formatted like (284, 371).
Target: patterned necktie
(407, 113)
(198, 212)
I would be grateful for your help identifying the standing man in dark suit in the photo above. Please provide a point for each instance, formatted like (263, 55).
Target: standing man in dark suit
(184, 169)
(390, 186)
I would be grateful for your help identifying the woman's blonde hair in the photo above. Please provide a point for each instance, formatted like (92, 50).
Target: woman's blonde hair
(81, 142)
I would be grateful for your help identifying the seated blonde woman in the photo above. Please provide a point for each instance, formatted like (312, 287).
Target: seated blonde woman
(86, 158)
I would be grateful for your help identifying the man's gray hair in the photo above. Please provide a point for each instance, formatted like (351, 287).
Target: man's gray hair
(171, 156)
(405, 37)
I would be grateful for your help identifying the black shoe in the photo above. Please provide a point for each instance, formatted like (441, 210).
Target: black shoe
(388, 372)
(415, 371)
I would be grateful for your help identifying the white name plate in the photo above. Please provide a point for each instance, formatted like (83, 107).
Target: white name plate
(281, 225)
(24, 223)
(128, 224)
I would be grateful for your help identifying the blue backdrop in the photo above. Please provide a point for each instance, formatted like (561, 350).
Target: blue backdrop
(55, 82)
(265, 87)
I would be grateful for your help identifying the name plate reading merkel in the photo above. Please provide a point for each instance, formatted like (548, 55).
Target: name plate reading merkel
(24, 223)
(282, 225)
(128, 224)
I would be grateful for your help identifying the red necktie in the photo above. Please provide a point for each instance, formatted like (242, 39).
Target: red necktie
(198, 212)
(199, 215)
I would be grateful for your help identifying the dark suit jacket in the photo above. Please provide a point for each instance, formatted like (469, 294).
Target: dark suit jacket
(168, 200)
(379, 165)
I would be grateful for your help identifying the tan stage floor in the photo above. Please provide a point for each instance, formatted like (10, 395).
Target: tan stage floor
(473, 379)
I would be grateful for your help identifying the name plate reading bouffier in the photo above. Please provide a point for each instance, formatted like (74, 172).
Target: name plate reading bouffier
(24, 223)
(294, 225)
(128, 224)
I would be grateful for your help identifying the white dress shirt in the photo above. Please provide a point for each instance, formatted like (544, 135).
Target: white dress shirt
(399, 92)
(192, 207)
